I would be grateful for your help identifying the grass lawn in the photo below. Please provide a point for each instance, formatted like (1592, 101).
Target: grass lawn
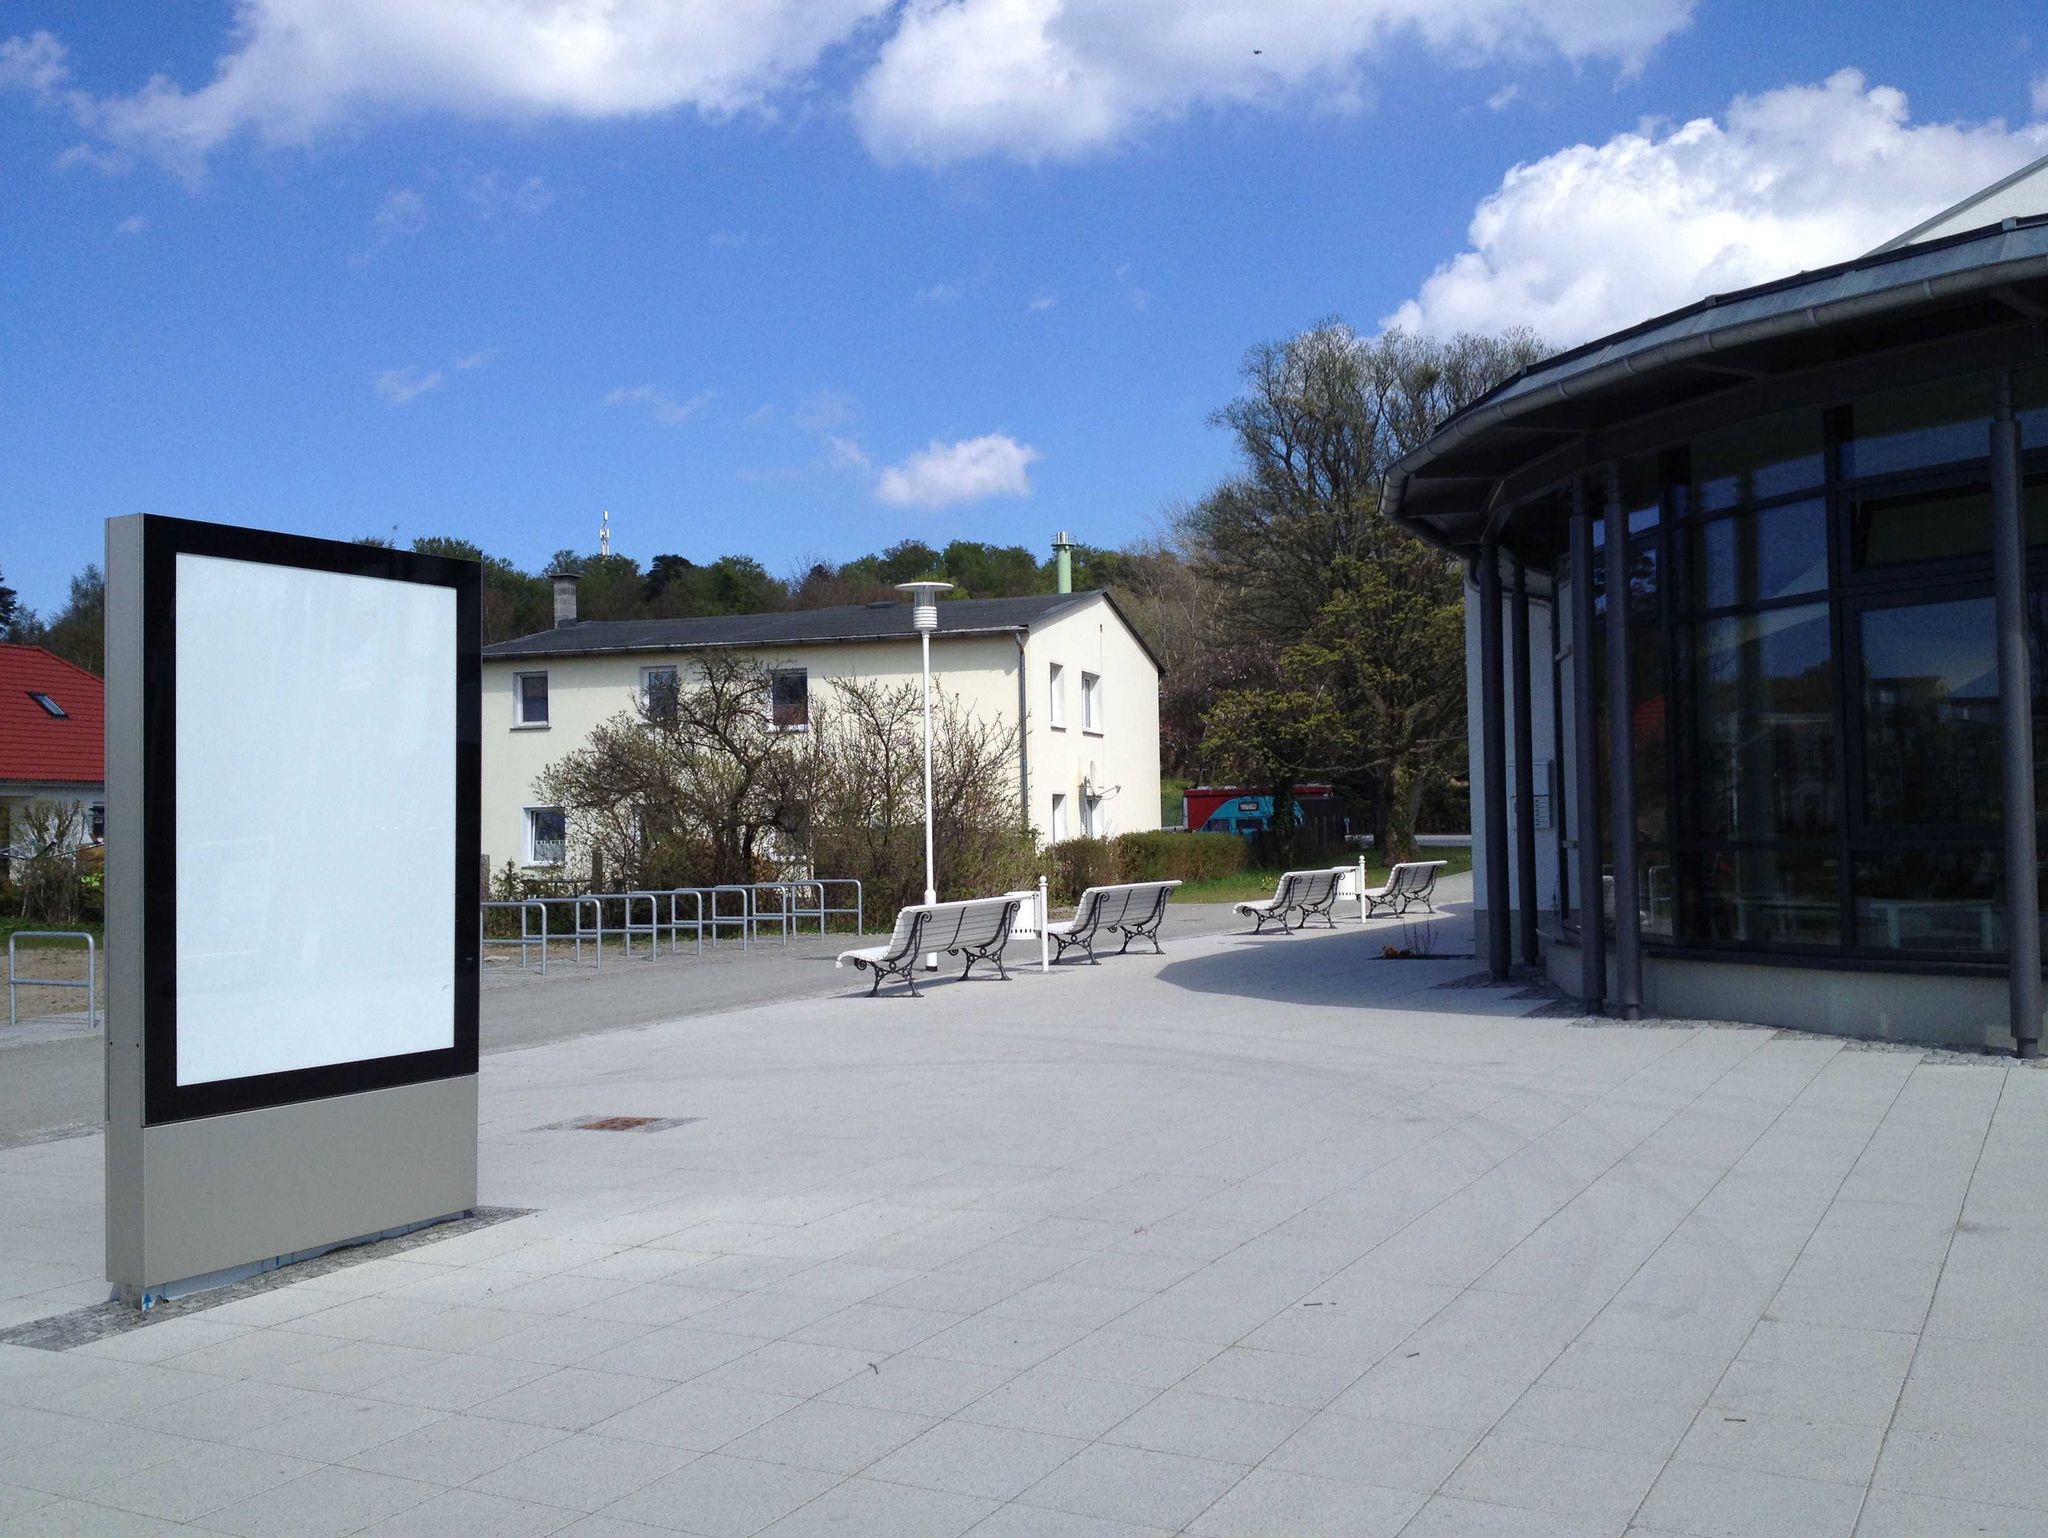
(1247, 884)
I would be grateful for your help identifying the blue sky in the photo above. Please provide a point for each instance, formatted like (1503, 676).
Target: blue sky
(869, 296)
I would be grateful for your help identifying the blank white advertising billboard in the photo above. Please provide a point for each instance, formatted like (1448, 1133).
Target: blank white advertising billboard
(316, 780)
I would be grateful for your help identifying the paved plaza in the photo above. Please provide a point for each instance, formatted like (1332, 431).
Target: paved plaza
(1261, 1237)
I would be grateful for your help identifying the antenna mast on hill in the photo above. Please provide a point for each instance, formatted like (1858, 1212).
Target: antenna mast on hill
(604, 535)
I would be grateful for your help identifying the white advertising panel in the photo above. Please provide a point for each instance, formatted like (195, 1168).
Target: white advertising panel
(316, 811)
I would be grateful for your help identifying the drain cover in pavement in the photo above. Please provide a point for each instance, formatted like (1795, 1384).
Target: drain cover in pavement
(619, 1124)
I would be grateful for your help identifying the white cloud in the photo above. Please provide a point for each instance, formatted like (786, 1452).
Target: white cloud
(940, 293)
(134, 224)
(1041, 304)
(1594, 238)
(1505, 97)
(297, 68)
(939, 80)
(495, 195)
(477, 359)
(661, 405)
(824, 410)
(401, 386)
(969, 470)
(403, 212)
(845, 453)
(1039, 80)
(37, 64)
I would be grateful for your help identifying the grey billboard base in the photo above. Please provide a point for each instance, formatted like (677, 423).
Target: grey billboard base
(207, 1184)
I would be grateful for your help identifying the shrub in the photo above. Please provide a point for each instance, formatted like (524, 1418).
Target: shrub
(1076, 864)
(1180, 856)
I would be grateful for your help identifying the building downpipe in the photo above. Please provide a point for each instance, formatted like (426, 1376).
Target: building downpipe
(1621, 772)
(1525, 772)
(1586, 758)
(2016, 728)
(1493, 750)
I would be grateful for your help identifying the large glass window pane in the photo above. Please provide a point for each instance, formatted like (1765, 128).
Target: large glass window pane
(1930, 713)
(1930, 900)
(1919, 426)
(1649, 672)
(1768, 457)
(1938, 525)
(1766, 725)
(1766, 896)
(1749, 559)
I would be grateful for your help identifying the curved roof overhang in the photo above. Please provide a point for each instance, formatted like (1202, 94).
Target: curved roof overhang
(1977, 299)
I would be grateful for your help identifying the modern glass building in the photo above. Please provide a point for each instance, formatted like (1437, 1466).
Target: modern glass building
(1758, 643)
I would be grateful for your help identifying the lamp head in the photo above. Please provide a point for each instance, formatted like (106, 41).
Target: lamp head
(924, 599)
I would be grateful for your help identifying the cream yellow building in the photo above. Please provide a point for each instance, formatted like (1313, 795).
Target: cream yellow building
(1069, 664)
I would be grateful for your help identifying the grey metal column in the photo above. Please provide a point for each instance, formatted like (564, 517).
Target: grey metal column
(1525, 774)
(1493, 749)
(2016, 729)
(1621, 768)
(1586, 756)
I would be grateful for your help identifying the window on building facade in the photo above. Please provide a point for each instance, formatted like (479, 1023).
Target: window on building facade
(790, 695)
(1814, 687)
(529, 699)
(659, 693)
(1093, 824)
(1059, 818)
(49, 705)
(1056, 701)
(547, 835)
(1091, 702)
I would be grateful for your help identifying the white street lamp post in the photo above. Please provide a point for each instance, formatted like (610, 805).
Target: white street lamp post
(924, 615)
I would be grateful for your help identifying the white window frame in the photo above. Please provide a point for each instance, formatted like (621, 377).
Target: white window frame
(1059, 818)
(529, 845)
(646, 676)
(1091, 817)
(794, 726)
(1091, 704)
(519, 721)
(1056, 709)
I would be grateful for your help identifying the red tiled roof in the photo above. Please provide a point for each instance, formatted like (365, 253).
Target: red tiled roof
(35, 745)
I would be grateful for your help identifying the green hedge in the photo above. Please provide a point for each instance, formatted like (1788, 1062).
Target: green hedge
(1079, 863)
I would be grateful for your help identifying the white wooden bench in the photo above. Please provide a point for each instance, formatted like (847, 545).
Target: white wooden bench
(1300, 896)
(978, 928)
(1406, 885)
(1132, 909)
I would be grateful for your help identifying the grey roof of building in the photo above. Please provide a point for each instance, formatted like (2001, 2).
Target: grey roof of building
(796, 627)
(1440, 488)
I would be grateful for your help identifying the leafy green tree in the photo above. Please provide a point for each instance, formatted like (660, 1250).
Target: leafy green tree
(739, 584)
(78, 633)
(1301, 562)
(16, 619)
(980, 570)
(515, 603)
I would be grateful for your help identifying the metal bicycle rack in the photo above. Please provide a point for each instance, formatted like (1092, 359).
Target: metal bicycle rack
(665, 916)
(675, 922)
(527, 939)
(744, 919)
(779, 914)
(90, 984)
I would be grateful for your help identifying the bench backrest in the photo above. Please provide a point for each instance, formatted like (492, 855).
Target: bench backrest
(1299, 887)
(1414, 876)
(903, 939)
(1120, 904)
(977, 921)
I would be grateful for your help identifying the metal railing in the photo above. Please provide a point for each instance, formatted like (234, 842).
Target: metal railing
(90, 984)
(667, 916)
(526, 939)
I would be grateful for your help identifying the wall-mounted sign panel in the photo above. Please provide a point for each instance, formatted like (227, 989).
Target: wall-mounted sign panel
(294, 739)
